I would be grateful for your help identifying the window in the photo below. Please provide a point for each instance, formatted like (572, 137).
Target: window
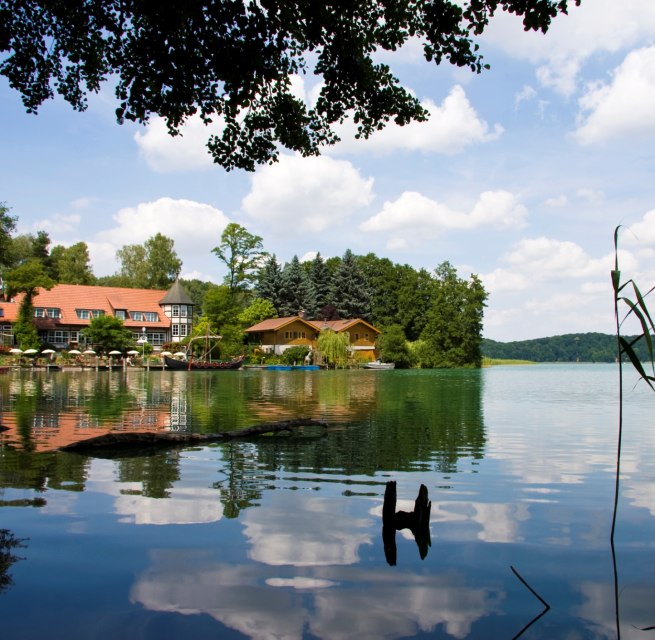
(136, 315)
(356, 337)
(183, 330)
(120, 313)
(175, 328)
(85, 314)
(39, 312)
(151, 316)
(183, 310)
(2, 312)
(176, 310)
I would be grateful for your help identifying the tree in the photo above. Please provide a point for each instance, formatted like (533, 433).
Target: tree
(258, 310)
(350, 291)
(392, 345)
(163, 265)
(107, 333)
(132, 258)
(333, 347)
(7, 226)
(320, 279)
(27, 278)
(453, 330)
(153, 265)
(296, 294)
(71, 264)
(233, 61)
(269, 282)
(241, 252)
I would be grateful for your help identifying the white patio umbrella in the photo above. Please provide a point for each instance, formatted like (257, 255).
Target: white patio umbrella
(75, 352)
(115, 353)
(132, 353)
(89, 352)
(16, 351)
(46, 352)
(165, 353)
(30, 352)
(179, 354)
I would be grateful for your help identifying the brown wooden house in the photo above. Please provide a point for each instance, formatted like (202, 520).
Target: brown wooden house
(275, 335)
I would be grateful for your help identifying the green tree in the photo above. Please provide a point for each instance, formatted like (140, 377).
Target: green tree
(234, 60)
(221, 310)
(333, 347)
(242, 253)
(392, 345)
(453, 330)
(7, 227)
(268, 281)
(163, 265)
(107, 333)
(152, 265)
(350, 291)
(296, 294)
(72, 264)
(258, 310)
(132, 258)
(27, 278)
(320, 279)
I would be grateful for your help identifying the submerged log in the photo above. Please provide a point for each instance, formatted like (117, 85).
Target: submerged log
(130, 440)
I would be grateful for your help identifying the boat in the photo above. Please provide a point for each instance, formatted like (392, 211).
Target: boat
(292, 367)
(202, 365)
(380, 365)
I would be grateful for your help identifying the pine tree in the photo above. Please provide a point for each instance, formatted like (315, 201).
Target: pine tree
(269, 282)
(296, 293)
(321, 280)
(350, 292)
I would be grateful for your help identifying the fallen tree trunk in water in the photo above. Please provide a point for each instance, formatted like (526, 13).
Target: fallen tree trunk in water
(124, 440)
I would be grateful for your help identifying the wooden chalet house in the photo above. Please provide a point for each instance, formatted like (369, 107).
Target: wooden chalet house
(275, 335)
(61, 313)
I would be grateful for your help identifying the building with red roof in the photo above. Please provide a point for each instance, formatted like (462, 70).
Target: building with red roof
(61, 313)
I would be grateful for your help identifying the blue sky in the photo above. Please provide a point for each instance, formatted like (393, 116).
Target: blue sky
(520, 175)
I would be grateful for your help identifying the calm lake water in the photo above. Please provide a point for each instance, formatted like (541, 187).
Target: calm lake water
(281, 536)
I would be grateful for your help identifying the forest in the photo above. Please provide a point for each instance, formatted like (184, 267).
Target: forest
(427, 318)
(572, 347)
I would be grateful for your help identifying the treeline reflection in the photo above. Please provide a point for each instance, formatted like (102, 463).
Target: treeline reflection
(380, 421)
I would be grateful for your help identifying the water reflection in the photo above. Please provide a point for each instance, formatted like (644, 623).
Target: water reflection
(8, 544)
(280, 536)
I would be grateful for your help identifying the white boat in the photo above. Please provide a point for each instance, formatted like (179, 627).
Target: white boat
(379, 365)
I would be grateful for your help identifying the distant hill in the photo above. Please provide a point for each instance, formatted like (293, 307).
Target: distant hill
(572, 347)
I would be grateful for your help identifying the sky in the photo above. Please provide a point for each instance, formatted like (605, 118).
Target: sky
(520, 175)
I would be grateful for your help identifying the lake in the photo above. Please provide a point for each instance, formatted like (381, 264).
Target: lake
(281, 536)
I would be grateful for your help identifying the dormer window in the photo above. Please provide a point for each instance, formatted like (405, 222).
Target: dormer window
(47, 312)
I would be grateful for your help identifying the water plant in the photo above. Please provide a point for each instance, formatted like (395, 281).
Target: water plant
(629, 304)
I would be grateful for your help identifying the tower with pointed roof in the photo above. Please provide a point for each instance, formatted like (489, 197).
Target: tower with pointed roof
(178, 306)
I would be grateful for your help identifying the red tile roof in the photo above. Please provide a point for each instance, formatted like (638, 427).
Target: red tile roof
(70, 297)
(274, 324)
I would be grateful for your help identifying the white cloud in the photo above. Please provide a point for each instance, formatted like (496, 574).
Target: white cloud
(450, 128)
(417, 213)
(298, 195)
(195, 227)
(544, 258)
(526, 93)
(624, 108)
(557, 202)
(593, 27)
(186, 152)
(59, 223)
